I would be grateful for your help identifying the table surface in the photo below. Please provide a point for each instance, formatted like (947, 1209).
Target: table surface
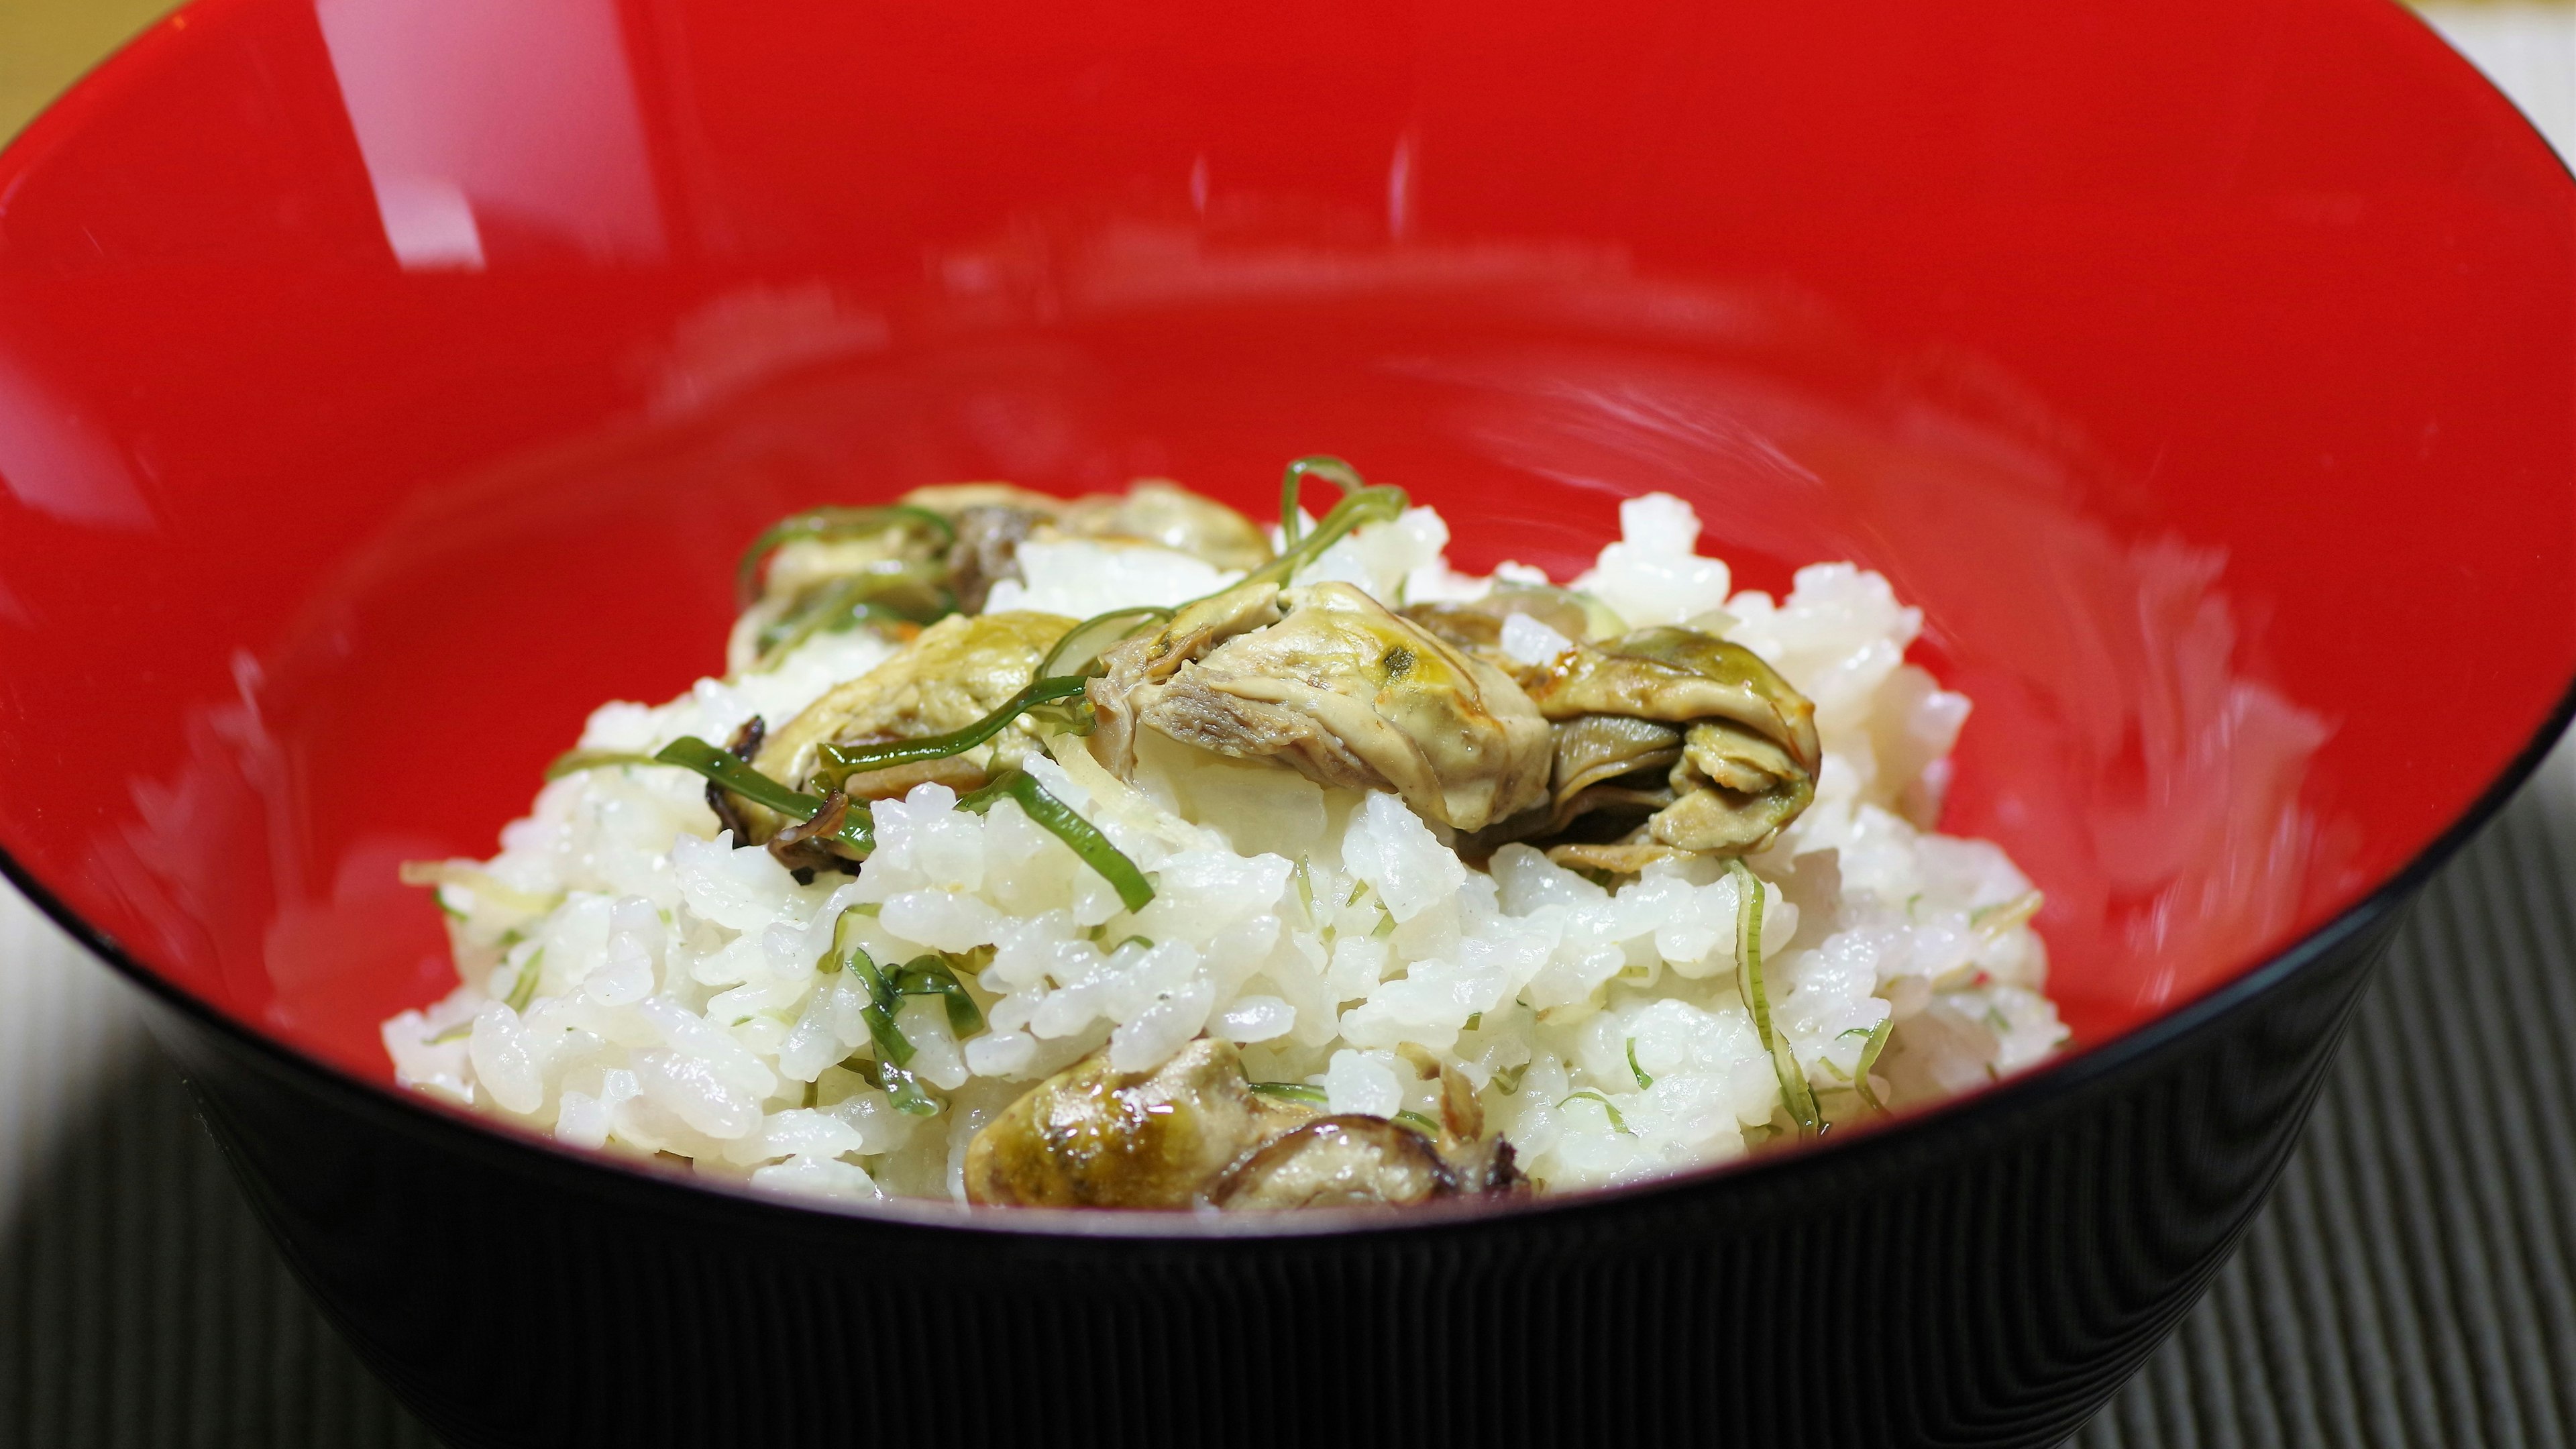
(2409, 1285)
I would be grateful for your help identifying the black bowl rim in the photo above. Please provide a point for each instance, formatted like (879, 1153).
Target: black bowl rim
(513, 1148)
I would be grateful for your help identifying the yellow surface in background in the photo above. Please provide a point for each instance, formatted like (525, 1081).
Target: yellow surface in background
(45, 45)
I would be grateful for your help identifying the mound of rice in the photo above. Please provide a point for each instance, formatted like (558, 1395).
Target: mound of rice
(668, 999)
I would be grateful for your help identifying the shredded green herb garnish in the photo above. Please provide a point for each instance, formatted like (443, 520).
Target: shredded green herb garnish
(1634, 1070)
(1509, 1079)
(1418, 1122)
(1361, 504)
(1305, 878)
(1475, 1020)
(1869, 1051)
(1058, 819)
(1795, 1092)
(524, 989)
(902, 1088)
(840, 762)
(933, 976)
(1078, 653)
(2002, 916)
(1385, 926)
(858, 828)
(869, 598)
(458, 1032)
(1292, 509)
(1145, 941)
(1618, 1123)
(846, 954)
(831, 523)
(1303, 1092)
(573, 762)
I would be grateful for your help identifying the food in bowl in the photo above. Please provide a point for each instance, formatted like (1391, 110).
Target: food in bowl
(1118, 852)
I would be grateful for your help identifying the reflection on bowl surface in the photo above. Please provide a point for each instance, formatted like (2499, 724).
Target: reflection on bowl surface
(381, 386)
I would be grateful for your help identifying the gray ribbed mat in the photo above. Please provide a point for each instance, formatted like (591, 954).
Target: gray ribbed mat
(2408, 1287)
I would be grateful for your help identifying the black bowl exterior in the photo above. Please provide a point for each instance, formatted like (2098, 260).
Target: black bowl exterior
(1987, 1276)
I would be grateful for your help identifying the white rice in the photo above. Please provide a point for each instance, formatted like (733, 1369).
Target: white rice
(678, 1009)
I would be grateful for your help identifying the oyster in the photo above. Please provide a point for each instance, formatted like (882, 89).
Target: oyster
(960, 670)
(1194, 1130)
(1327, 681)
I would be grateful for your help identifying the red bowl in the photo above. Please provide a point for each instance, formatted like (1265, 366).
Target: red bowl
(384, 385)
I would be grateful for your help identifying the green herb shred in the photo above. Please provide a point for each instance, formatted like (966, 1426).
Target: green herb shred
(1418, 1122)
(524, 989)
(840, 762)
(1634, 1070)
(832, 523)
(1618, 1123)
(1795, 1093)
(1058, 819)
(847, 954)
(1869, 1051)
(573, 762)
(1302, 1092)
(858, 828)
(1077, 654)
(933, 976)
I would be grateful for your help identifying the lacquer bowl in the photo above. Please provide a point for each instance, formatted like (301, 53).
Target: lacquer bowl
(384, 384)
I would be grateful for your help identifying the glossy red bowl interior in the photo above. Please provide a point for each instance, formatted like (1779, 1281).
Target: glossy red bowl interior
(383, 385)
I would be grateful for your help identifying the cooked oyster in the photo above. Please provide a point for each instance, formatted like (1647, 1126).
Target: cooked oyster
(1156, 510)
(1737, 744)
(1477, 624)
(1091, 1136)
(960, 670)
(1193, 1130)
(1326, 681)
(835, 569)
(993, 519)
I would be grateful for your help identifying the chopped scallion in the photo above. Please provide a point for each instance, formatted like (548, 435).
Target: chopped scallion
(1634, 1070)
(1418, 1122)
(1509, 1079)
